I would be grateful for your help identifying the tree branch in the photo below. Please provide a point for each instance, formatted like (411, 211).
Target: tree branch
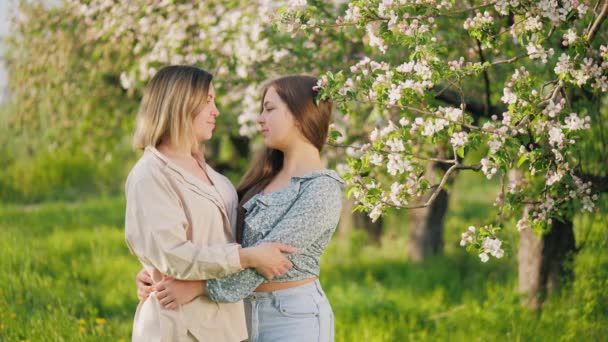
(439, 187)
(438, 160)
(475, 108)
(598, 22)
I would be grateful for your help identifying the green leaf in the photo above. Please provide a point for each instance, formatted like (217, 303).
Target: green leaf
(335, 135)
(460, 151)
(522, 160)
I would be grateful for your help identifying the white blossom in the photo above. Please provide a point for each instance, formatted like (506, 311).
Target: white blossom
(376, 212)
(484, 257)
(492, 246)
(396, 145)
(398, 164)
(508, 96)
(556, 136)
(459, 139)
(374, 40)
(488, 168)
(376, 159)
(570, 37)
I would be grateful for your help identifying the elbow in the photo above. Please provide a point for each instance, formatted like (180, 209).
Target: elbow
(218, 293)
(222, 297)
(229, 300)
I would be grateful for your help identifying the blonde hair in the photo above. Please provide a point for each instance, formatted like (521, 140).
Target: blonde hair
(171, 100)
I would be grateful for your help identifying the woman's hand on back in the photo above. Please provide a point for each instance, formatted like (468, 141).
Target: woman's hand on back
(144, 285)
(172, 293)
(267, 258)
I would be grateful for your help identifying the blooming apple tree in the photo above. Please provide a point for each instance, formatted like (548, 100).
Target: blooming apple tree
(230, 39)
(417, 51)
(479, 86)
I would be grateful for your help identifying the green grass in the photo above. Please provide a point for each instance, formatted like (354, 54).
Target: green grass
(66, 275)
(456, 298)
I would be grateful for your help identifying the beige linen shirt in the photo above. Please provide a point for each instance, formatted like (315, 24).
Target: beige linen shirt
(179, 226)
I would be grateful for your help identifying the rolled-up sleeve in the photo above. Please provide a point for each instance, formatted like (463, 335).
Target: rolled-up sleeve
(315, 213)
(156, 232)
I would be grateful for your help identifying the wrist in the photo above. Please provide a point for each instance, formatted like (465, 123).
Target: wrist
(245, 257)
(203, 287)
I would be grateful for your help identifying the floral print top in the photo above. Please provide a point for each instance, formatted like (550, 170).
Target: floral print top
(303, 214)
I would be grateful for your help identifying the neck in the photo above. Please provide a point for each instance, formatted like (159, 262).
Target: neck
(300, 158)
(174, 151)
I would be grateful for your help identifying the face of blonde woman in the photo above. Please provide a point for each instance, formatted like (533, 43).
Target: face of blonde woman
(277, 124)
(204, 122)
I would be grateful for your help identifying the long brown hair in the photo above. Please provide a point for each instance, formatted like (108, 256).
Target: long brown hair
(298, 94)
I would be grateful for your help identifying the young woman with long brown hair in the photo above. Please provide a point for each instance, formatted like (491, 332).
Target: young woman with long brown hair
(287, 196)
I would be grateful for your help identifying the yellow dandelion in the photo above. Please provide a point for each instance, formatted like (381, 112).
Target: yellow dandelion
(19, 301)
(1, 326)
(81, 321)
(83, 330)
(13, 315)
(122, 340)
(100, 321)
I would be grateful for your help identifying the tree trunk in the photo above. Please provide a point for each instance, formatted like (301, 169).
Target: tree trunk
(543, 263)
(374, 229)
(425, 237)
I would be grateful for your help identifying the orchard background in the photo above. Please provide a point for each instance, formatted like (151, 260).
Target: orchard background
(472, 136)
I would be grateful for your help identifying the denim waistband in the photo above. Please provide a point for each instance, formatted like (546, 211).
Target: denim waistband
(312, 287)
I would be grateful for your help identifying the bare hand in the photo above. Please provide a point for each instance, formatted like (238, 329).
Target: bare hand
(172, 293)
(144, 285)
(268, 259)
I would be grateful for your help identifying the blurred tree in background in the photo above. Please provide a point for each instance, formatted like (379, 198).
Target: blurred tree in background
(68, 121)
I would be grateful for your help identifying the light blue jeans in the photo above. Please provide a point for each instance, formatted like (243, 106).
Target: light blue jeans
(298, 314)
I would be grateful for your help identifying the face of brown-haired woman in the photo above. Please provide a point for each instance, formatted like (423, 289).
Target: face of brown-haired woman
(204, 122)
(277, 124)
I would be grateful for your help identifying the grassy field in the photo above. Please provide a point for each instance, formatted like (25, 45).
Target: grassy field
(66, 275)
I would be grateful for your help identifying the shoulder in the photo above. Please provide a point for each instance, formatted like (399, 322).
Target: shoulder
(323, 184)
(148, 170)
(319, 178)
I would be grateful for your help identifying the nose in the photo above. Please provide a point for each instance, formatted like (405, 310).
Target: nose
(214, 111)
(260, 119)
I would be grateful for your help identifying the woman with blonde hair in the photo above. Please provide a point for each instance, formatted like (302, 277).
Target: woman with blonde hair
(180, 214)
(287, 196)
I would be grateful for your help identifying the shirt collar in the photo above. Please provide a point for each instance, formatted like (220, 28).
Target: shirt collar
(317, 173)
